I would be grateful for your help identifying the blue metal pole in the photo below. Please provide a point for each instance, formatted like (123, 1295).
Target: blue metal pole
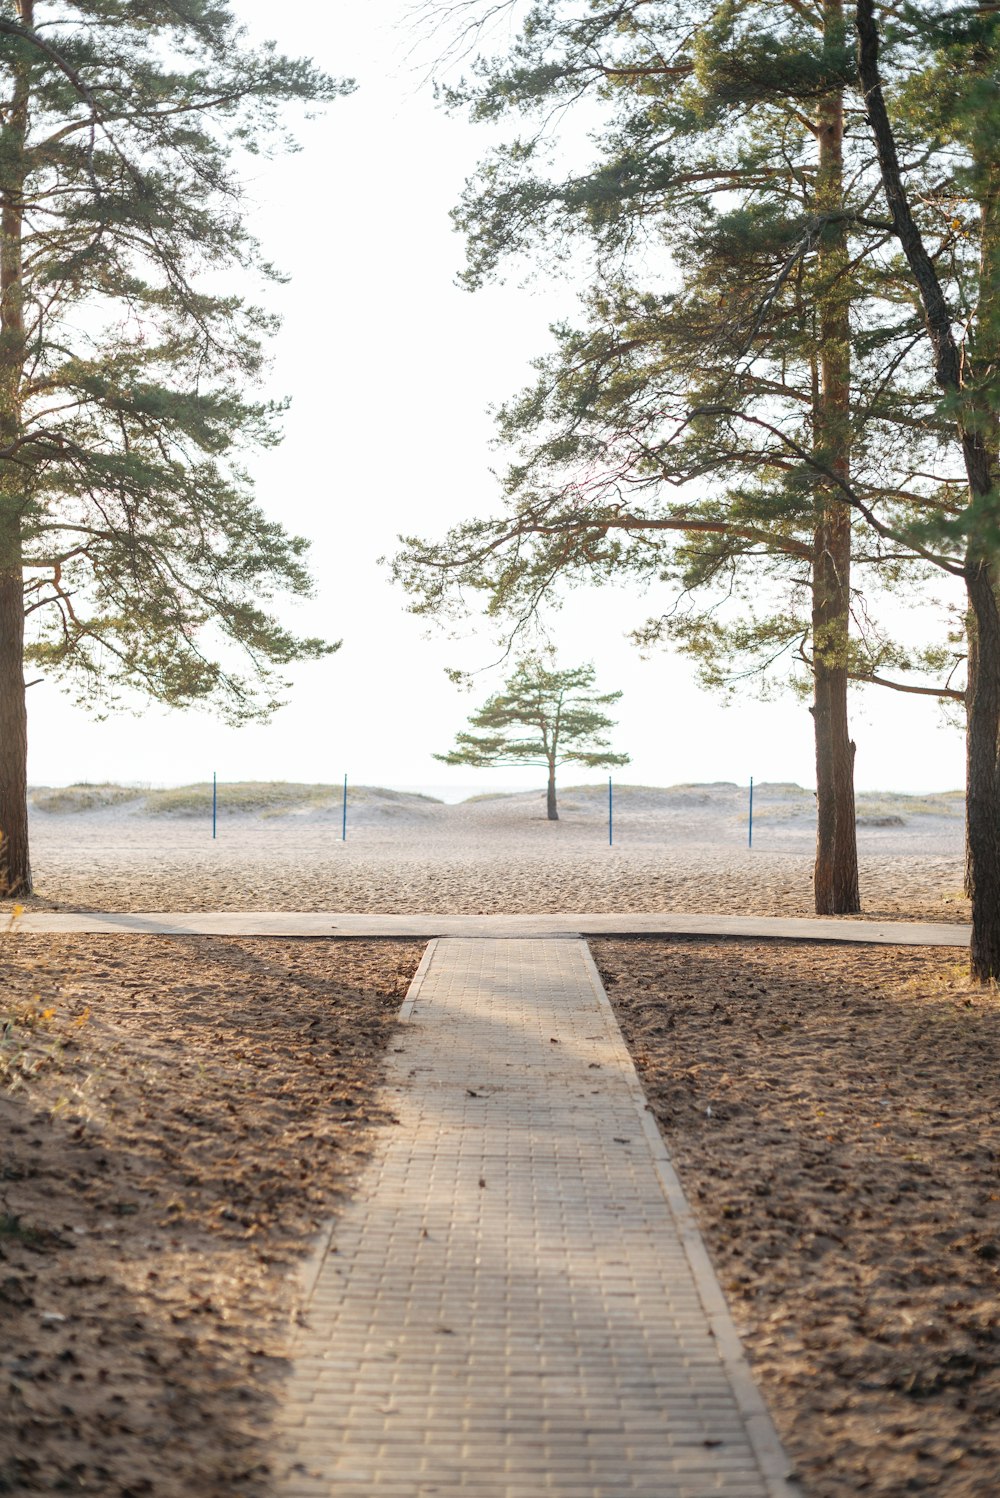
(611, 815)
(343, 821)
(215, 802)
(750, 833)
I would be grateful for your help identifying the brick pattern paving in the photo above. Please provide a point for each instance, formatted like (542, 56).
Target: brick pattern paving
(508, 1308)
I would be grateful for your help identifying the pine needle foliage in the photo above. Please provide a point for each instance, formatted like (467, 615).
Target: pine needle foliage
(128, 361)
(544, 716)
(132, 552)
(676, 431)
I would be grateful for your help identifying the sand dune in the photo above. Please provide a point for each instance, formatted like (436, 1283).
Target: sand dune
(678, 848)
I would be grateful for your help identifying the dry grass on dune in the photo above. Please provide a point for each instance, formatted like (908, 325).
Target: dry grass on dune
(262, 798)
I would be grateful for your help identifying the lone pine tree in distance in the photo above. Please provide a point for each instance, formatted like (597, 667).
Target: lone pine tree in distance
(543, 716)
(129, 537)
(725, 141)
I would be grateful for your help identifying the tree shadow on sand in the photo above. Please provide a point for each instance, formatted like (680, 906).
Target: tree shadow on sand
(198, 1107)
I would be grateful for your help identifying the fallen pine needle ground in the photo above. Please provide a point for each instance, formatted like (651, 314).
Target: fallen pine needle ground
(178, 1116)
(834, 1114)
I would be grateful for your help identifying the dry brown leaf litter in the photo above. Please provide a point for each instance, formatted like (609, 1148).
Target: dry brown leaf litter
(835, 1117)
(184, 1113)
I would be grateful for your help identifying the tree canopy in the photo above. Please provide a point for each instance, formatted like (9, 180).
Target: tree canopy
(742, 420)
(131, 360)
(955, 92)
(825, 180)
(544, 716)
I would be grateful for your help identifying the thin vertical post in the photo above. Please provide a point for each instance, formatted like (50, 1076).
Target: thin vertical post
(611, 815)
(215, 803)
(750, 831)
(343, 819)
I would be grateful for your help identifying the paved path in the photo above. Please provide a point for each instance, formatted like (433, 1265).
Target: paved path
(517, 1302)
(429, 924)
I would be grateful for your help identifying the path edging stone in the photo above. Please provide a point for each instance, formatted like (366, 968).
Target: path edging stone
(764, 1439)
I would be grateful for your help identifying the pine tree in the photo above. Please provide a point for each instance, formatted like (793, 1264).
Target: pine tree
(544, 716)
(953, 91)
(746, 386)
(129, 537)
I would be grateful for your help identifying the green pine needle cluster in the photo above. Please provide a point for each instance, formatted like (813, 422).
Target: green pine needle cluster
(543, 716)
(128, 365)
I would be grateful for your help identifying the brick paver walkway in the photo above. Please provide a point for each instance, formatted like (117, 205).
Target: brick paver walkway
(517, 1302)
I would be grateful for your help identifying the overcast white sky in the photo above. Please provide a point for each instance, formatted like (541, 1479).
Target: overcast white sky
(391, 367)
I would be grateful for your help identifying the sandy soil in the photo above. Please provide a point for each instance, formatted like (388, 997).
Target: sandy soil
(682, 851)
(184, 1114)
(185, 1111)
(835, 1117)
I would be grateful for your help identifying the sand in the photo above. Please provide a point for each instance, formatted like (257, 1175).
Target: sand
(683, 849)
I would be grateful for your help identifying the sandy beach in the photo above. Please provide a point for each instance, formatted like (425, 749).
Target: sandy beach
(682, 849)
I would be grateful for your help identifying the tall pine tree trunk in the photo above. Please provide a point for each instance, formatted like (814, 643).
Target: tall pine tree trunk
(983, 812)
(835, 879)
(976, 428)
(15, 869)
(550, 796)
(836, 888)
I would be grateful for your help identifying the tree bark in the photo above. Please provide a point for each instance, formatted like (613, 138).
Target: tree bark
(982, 580)
(987, 352)
(983, 813)
(835, 877)
(973, 676)
(15, 868)
(977, 432)
(550, 799)
(15, 865)
(835, 884)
